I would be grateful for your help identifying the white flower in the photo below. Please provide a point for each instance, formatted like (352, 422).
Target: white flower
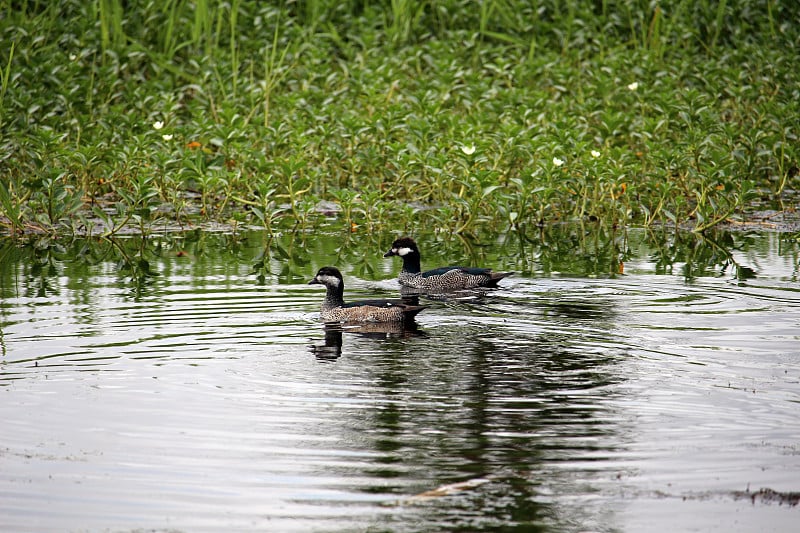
(158, 125)
(73, 57)
(167, 137)
(468, 150)
(633, 86)
(595, 153)
(558, 162)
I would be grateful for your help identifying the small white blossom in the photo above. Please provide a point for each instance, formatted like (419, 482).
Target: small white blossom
(558, 162)
(633, 86)
(167, 137)
(468, 150)
(73, 57)
(595, 153)
(158, 125)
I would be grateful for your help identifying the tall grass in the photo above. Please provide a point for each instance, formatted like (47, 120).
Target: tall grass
(5, 80)
(287, 114)
(109, 14)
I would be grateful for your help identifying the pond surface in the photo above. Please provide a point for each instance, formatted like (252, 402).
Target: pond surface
(618, 382)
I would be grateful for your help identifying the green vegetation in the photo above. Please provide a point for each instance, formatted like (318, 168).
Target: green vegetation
(446, 114)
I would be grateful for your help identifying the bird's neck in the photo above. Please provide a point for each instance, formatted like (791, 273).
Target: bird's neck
(411, 264)
(334, 297)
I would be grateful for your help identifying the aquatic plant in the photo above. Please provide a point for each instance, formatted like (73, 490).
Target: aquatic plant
(399, 114)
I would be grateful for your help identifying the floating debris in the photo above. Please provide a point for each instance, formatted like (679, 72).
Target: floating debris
(444, 490)
(766, 495)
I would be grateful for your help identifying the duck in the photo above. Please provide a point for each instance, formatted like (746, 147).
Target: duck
(334, 309)
(443, 279)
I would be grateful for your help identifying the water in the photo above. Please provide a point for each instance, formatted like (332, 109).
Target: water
(618, 382)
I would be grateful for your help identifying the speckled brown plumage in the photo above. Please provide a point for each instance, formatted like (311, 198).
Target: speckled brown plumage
(334, 308)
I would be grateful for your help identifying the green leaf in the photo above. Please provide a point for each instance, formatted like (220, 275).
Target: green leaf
(489, 190)
(10, 208)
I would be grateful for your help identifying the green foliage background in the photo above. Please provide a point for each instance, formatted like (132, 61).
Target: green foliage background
(282, 114)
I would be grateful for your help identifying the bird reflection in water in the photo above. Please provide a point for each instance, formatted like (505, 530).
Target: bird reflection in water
(331, 349)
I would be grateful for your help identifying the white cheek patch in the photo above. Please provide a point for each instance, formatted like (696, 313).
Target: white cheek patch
(402, 251)
(329, 280)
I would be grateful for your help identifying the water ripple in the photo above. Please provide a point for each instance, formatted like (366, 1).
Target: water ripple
(212, 403)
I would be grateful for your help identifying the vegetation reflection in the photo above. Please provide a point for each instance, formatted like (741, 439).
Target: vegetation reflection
(288, 258)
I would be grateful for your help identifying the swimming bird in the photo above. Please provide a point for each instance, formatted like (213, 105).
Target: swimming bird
(335, 310)
(444, 279)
